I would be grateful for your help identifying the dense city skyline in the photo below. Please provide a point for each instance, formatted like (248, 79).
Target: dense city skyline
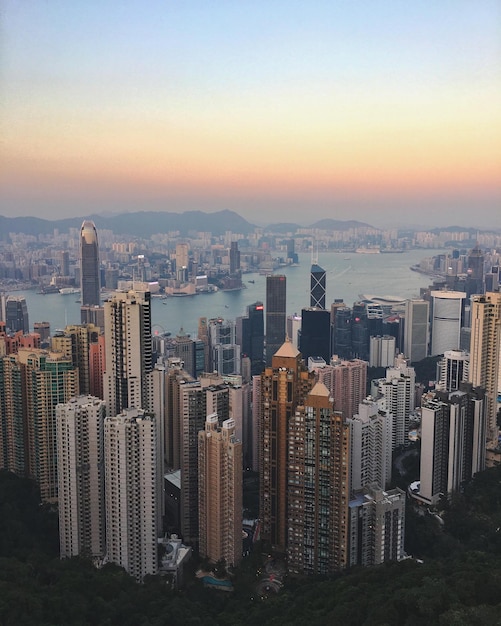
(387, 112)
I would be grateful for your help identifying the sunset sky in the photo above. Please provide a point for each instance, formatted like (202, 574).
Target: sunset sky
(383, 111)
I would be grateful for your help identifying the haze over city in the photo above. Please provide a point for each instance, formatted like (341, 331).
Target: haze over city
(387, 112)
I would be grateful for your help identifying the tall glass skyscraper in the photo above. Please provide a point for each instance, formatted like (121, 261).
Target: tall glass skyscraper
(276, 286)
(317, 286)
(89, 264)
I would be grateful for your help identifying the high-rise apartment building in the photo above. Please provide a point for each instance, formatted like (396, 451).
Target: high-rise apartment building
(276, 289)
(196, 402)
(284, 387)
(317, 486)
(453, 431)
(453, 370)
(317, 286)
(485, 353)
(220, 491)
(128, 350)
(131, 497)
(346, 381)
(80, 452)
(74, 342)
(370, 446)
(416, 331)
(377, 526)
(446, 320)
(13, 431)
(396, 396)
(89, 264)
(40, 381)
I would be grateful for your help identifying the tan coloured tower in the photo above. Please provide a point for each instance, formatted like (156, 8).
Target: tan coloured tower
(220, 491)
(485, 353)
(284, 387)
(318, 487)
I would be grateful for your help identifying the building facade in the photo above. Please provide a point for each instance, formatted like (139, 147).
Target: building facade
(284, 387)
(80, 451)
(131, 497)
(128, 350)
(317, 487)
(220, 491)
(276, 290)
(89, 265)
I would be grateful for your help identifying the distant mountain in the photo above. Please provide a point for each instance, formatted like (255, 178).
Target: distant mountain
(329, 224)
(141, 224)
(282, 227)
(146, 223)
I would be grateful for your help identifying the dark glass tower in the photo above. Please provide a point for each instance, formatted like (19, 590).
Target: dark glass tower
(360, 331)
(234, 258)
(342, 333)
(89, 264)
(16, 314)
(317, 287)
(276, 287)
(250, 336)
(315, 334)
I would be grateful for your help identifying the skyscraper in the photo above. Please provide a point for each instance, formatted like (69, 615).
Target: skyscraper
(377, 523)
(346, 381)
(342, 342)
(196, 402)
(80, 451)
(317, 486)
(89, 264)
(128, 350)
(397, 398)
(16, 314)
(453, 369)
(276, 286)
(446, 320)
(485, 353)
(452, 440)
(234, 258)
(317, 286)
(131, 497)
(284, 387)
(359, 331)
(48, 379)
(370, 446)
(250, 336)
(416, 329)
(220, 491)
(315, 333)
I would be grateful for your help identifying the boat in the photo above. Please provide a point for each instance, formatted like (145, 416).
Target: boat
(251, 281)
(375, 250)
(48, 289)
(65, 291)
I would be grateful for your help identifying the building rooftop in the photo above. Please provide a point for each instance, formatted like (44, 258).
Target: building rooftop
(287, 349)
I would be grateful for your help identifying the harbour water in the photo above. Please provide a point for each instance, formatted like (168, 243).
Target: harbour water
(348, 275)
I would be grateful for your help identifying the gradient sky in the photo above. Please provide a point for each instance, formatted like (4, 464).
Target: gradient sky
(383, 111)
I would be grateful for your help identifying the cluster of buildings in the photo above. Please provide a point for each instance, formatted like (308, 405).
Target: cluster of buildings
(142, 440)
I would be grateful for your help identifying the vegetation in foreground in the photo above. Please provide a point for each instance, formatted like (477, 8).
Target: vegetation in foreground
(457, 583)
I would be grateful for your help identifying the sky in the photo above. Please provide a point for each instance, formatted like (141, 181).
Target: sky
(385, 111)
